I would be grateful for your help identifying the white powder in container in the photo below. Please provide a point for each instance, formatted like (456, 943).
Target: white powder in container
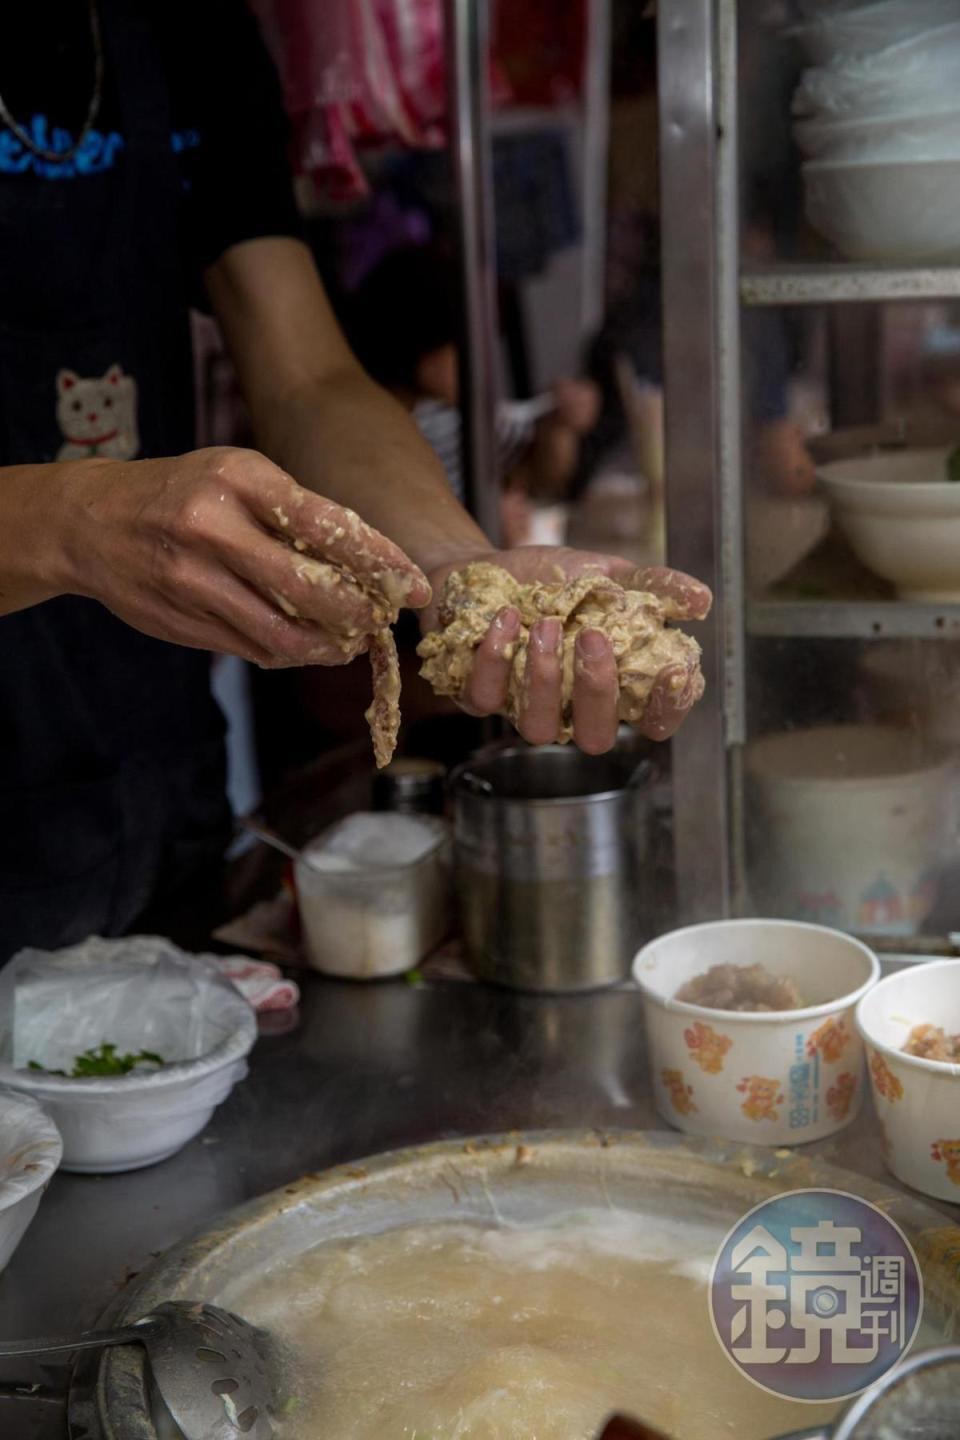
(375, 898)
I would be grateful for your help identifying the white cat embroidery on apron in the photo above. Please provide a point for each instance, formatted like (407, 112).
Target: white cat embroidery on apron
(97, 416)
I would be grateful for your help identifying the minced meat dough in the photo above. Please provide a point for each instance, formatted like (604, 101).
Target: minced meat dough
(386, 592)
(633, 621)
(741, 987)
(383, 714)
(931, 1042)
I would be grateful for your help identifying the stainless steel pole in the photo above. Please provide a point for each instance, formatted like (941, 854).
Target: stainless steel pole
(596, 145)
(694, 426)
(468, 64)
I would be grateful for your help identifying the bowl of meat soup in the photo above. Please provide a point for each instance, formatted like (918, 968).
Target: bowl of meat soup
(910, 1025)
(750, 1028)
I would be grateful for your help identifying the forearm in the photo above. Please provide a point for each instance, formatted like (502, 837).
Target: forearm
(346, 438)
(315, 411)
(34, 533)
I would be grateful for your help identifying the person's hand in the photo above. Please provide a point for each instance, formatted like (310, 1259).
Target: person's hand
(596, 685)
(782, 461)
(516, 516)
(221, 550)
(578, 405)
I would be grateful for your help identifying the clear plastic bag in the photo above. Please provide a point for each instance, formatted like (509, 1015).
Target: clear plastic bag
(139, 993)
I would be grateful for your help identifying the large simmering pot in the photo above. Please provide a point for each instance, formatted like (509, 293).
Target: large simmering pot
(515, 1179)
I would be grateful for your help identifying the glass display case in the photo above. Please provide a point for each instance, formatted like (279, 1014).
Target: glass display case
(812, 392)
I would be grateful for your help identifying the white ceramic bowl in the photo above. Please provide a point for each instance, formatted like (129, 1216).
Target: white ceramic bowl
(776, 1078)
(901, 517)
(905, 211)
(924, 136)
(30, 1151)
(134, 1120)
(917, 1101)
(834, 32)
(848, 825)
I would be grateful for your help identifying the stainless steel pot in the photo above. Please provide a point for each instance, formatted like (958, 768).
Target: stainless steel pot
(552, 864)
(515, 1179)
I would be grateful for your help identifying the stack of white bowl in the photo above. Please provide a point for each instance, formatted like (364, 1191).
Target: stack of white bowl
(878, 118)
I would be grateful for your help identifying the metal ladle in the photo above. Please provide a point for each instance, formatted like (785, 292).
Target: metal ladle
(919, 1400)
(211, 1369)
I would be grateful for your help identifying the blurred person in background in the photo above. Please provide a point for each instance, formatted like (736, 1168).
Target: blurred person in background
(403, 322)
(781, 463)
(778, 461)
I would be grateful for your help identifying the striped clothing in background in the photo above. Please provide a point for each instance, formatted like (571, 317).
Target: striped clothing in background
(439, 425)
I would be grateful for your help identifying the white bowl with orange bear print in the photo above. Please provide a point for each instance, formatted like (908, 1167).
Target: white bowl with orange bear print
(917, 1100)
(782, 1077)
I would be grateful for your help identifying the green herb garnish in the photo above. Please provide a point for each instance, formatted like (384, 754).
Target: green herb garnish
(953, 464)
(102, 1061)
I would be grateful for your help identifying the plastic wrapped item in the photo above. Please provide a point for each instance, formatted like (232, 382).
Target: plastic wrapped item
(30, 1151)
(834, 32)
(261, 983)
(920, 73)
(137, 994)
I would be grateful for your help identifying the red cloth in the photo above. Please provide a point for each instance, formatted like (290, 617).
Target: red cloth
(540, 47)
(360, 73)
(357, 73)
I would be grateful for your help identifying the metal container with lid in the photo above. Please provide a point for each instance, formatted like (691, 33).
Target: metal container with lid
(552, 864)
(410, 786)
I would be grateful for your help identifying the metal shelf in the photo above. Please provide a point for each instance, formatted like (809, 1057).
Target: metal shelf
(853, 620)
(833, 284)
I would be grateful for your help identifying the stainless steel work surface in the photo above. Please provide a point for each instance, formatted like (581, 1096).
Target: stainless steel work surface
(370, 1068)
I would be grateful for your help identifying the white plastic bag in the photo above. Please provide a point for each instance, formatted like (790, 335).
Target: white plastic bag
(140, 993)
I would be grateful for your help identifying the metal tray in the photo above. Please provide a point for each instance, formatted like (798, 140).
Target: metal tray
(518, 1177)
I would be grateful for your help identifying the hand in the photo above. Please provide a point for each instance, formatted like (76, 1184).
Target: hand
(596, 685)
(782, 460)
(578, 405)
(516, 515)
(219, 550)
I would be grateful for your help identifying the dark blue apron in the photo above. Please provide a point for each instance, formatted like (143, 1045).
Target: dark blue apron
(111, 747)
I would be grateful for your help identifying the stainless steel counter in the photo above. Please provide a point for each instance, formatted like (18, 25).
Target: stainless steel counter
(369, 1068)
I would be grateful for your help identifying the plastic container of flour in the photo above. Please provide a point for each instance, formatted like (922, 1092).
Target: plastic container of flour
(374, 894)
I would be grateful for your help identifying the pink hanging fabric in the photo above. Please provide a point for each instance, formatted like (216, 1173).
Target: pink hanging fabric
(361, 73)
(356, 73)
